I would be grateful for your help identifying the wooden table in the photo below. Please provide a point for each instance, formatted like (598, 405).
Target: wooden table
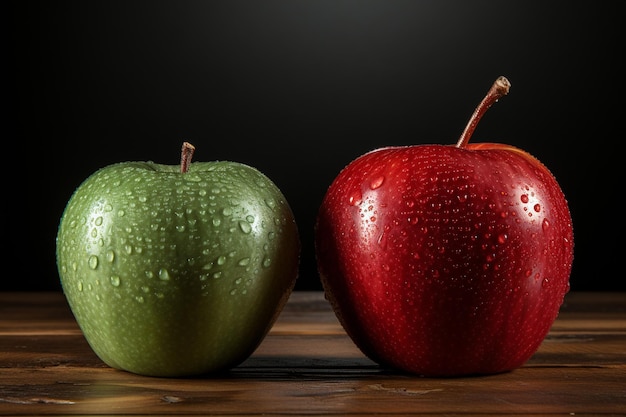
(308, 366)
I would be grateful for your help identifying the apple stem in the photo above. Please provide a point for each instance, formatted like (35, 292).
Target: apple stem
(186, 154)
(499, 89)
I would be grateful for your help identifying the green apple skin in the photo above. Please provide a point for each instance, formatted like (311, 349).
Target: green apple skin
(176, 274)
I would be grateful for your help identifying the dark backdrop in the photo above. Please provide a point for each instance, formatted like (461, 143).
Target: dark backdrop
(298, 89)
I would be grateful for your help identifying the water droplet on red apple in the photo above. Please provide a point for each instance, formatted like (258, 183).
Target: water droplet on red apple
(524, 198)
(537, 207)
(502, 238)
(377, 182)
(545, 224)
(355, 198)
(545, 283)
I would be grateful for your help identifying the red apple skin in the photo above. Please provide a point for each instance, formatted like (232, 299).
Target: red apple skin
(446, 261)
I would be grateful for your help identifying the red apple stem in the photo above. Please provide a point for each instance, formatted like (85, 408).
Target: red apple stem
(186, 154)
(500, 88)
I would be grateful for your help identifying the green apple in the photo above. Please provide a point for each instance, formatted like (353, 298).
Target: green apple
(177, 270)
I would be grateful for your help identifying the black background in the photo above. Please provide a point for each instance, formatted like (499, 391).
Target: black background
(300, 88)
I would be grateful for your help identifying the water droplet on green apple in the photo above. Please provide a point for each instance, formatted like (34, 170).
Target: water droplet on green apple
(245, 227)
(216, 222)
(121, 213)
(244, 262)
(115, 280)
(80, 286)
(221, 260)
(227, 211)
(94, 232)
(180, 227)
(270, 203)
(139, 299)
(233, 291)
(267, 262)
(93, 262)
(271, 235)
(98, 221)
(164, 274)
(217, 275)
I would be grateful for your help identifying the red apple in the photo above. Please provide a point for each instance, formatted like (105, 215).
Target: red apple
(445, 260)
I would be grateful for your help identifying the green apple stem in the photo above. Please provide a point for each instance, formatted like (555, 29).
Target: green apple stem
(499, 89)
(186, 154)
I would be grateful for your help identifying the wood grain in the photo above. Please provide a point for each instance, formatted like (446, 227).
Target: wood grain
(308, 366)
